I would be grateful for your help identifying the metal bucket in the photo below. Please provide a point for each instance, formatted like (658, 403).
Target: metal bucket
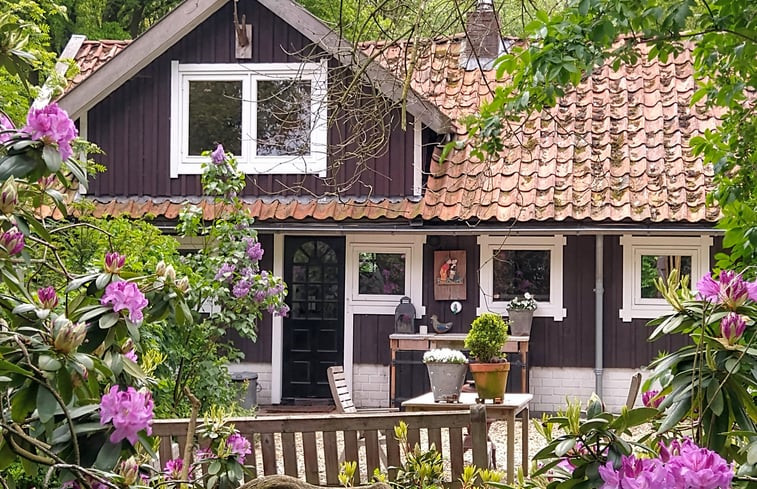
(446, 380)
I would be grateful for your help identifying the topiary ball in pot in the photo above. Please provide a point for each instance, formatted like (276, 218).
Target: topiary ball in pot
(487, 336)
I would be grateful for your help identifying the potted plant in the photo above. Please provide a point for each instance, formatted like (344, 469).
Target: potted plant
(520, 313)
(487, 336)
(446, 371)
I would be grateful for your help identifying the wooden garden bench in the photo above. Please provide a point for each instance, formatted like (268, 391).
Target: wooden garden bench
(308, 446)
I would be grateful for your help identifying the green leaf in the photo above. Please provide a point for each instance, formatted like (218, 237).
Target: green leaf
(676, 414)
(715, 398)
(108, 456)
(51, 157)
(46, 404)
(49, 363)
(23, 308)
(7, 367)
(214, 467)
(22, 404)
(103, 280)
(18, 166)
(78, 282)
(565, 446)
(108, 320)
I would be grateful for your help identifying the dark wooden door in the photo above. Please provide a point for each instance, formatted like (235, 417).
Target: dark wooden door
(314, 330)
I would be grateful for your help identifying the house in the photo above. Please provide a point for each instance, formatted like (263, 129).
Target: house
(586, 205)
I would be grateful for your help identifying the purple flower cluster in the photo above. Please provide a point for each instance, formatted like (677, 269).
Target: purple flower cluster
(130, 411)
(6, 125)
(730, 290)
(125, 295)
(51, 125)
(226, 272)
(114, 262)
(682, 465)
(732, 327)
(204, 454)
(218, 156)
(239, 446)
(47, 297)
(13, 241)
(172, 469)
(254, 250)
(652, 398)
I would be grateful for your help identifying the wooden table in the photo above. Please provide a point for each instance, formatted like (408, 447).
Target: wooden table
(511, 406)
(425, 342)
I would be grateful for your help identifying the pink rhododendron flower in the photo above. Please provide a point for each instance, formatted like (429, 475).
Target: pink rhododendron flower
(650, 399)
(47, 297)
(51, 125)
(125, 295)
(693, 467)
(730, 289)
(131, 355)
(13, 241)
(732, 327)
(239, 446)
(204, 454)
(130, 412)
(635, 473)
(6, 125)
(114, 262)
(172, 469)
(218, 156)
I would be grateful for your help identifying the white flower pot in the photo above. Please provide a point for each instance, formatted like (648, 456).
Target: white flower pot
(446, 380)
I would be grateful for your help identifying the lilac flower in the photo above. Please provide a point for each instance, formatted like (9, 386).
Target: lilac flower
(241, 289)
(730, 289)
(125, 295)
(239, 446)
(218, 156)
(732, 327)
(283, 311)
(172, 469)
(650, 398)
(13, 241)
(260, 296)
(114, 262)
(5, 125)
(47, 297)
(635, 473)
(130, 411)
(254, 250)
(225, 273)
(51, 125)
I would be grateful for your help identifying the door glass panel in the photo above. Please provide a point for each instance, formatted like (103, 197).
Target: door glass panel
(519, 271)
(654, 266)
(215, 116)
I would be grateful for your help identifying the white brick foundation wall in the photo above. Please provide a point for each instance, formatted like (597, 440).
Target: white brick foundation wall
(264, 378)
(551, 386)
(370, 385)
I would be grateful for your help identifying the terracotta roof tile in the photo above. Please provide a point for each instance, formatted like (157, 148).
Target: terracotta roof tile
(92, 55)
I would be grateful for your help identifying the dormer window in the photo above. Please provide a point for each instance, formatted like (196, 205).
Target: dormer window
(271, 116)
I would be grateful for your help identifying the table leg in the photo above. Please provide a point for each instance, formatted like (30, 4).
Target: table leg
(523, 372)
(392, 380)
(510, 447)
(525, 424)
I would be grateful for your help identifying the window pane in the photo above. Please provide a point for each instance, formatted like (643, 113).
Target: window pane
(382, 273)
(283, 118)
(653, 266)
(215, 116)
(519, 271)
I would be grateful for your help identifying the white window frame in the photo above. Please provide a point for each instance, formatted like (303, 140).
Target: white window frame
(249, 74)
(491, 244)
(410, 246)
(634, 247)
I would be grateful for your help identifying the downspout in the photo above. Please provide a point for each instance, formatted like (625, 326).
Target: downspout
(599, 291)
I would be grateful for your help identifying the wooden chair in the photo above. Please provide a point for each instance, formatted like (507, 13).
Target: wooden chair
(340, 391)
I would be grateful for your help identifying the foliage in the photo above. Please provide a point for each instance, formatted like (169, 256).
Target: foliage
(487, 335)
(528, 303)
(444, 355)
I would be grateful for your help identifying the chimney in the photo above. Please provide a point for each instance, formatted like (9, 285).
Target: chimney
(483, 43)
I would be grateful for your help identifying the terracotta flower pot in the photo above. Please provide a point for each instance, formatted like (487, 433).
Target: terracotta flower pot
(490, 379)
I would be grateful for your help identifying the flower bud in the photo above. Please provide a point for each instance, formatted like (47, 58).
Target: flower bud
(652, 398)
(732, 327)
(8, 196)
(129, 469)
(13, 241)
(114, 262)
(68, 336)
(47, 297)
(183, 284)
(46, 182)
(170, 273)
(160, 269)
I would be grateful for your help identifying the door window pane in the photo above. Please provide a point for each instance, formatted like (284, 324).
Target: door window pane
(215, 116)
(283, 118)
(382, 273)
(653, 266)
(519, 271)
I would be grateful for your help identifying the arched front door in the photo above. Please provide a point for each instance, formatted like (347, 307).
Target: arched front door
(314, 330)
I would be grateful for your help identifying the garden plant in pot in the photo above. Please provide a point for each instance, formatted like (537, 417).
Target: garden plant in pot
(446, 371)
(520, 313)
(487, 335)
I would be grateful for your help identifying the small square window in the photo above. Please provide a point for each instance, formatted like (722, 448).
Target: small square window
(519, 271)
(381, 273)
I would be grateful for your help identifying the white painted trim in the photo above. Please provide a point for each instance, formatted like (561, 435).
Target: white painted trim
(68, 53)
(349, 339)
(411, 245)
(249, 74)
(554, 244)
(277, 326)
(636, 307)
(417, 158)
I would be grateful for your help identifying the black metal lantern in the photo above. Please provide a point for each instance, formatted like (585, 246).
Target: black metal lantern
(404, 317)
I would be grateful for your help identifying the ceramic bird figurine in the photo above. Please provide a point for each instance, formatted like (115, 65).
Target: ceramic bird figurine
(440, 327)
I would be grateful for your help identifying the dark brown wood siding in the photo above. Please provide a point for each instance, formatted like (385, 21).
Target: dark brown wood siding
(132, 125)
(260, 350)
(371, 338)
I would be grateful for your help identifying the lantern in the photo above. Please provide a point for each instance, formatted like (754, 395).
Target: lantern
(404, 317)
